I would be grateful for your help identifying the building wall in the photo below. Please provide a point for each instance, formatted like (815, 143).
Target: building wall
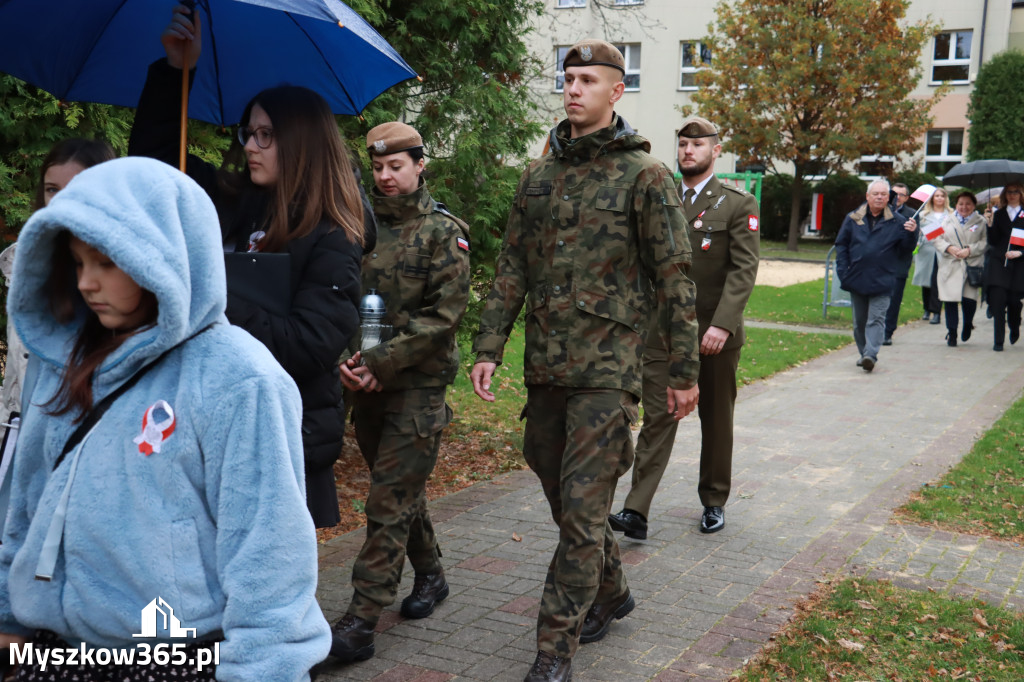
(660, 26)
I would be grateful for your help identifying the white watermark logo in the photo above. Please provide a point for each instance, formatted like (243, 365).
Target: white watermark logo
(158, 620)
(151, 621)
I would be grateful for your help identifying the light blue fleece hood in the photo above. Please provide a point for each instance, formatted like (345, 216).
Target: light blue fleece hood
(158, 226)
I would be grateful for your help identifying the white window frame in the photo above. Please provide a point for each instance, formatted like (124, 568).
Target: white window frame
(944, 156)
(689, 69)
(950, 60)
(628, 2)
(627, 51)
(570, 4)
(560, 52)
(875, 158)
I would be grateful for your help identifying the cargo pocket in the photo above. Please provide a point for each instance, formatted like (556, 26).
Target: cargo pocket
(433, 421)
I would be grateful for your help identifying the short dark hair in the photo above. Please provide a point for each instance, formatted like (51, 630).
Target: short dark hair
(900, 184)
(966, 193)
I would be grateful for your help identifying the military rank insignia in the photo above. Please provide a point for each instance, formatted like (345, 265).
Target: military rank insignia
(752, 223)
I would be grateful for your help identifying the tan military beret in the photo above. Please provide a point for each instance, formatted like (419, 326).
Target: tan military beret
(391, 138)
(591, 52)
(695, 126)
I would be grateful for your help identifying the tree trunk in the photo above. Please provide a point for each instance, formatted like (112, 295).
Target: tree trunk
(796, 191)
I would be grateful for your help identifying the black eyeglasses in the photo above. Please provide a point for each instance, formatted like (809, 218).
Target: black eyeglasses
(1013, 191)
(264, 136)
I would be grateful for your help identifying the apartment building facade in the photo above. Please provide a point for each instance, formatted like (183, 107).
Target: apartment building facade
(662, 43)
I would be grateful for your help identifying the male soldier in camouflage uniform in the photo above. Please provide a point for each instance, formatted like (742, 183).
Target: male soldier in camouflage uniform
(724, 235)
(594, 223)
(420, 267)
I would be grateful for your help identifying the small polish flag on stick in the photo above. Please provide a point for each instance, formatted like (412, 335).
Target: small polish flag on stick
(1017, 236)
(934, 230)
(920, 197)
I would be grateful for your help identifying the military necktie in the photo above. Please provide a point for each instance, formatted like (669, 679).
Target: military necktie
(688, 196)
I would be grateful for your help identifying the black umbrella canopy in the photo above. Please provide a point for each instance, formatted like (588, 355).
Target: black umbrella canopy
(985, 173)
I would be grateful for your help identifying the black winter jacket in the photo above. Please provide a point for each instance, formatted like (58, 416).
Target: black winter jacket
(325, 267)
(867, 259)
(1000, 272)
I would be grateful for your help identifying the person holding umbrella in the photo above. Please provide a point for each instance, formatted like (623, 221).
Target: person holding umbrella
(296, 195)
(1005, 275)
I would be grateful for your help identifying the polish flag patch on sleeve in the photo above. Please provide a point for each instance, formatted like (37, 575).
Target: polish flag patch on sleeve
(463, 243)
(752, 223)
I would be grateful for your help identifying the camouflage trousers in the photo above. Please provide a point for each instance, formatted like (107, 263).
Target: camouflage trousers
(399, 433)
(578, 442)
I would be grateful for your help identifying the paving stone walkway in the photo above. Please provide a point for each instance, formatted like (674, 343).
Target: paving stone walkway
(824, 452)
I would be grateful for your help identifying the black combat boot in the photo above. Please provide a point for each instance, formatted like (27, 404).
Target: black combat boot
(352, 639)
(550, 668)
(427, 591)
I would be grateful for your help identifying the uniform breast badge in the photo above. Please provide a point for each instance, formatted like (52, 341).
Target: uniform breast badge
(705, 243)
(698, 223)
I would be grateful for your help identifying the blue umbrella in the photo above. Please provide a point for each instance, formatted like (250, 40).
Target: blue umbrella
(98, 51)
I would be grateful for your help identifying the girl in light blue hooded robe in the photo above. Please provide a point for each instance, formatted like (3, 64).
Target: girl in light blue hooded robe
(186, 497)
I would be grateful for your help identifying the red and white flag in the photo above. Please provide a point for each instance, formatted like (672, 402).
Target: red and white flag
(923, 193)
(932, 230)
(1017, 236)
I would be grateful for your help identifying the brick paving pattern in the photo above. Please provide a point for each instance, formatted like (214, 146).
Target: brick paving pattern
(824, 452)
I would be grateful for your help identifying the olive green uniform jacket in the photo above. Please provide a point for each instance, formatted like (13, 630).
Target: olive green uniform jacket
(420, 266)
(594, 222)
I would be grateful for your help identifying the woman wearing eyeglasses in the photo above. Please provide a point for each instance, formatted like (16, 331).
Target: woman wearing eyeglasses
(1005, 274)
(295, 193)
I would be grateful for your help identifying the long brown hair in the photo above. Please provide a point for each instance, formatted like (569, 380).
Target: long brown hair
(86, 153)
(94, 342)
(315, 181)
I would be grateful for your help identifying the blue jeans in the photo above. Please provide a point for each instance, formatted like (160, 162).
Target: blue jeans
(869, 322)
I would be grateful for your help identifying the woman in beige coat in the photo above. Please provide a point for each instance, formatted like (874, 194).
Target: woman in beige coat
(961, 245)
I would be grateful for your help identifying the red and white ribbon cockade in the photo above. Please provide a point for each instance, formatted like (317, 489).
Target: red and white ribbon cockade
(155, 433)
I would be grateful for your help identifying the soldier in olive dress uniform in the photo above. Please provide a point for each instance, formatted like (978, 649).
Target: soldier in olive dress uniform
(420, 267)
(594, 223)
(724, 233)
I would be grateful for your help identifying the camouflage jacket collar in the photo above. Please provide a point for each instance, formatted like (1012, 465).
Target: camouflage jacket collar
(403, 207)
(618, 136)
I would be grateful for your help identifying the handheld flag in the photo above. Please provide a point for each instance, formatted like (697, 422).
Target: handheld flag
(920, 197)
(933, 230)
(1017, 236)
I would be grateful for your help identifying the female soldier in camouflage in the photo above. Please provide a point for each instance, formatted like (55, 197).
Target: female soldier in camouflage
(420, 267)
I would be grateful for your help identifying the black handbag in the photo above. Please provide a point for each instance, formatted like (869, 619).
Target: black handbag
(974, 275)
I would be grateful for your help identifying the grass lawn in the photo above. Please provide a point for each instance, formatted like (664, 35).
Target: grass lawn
(868, 630)
(496, 426)
(984, 493)
(810, 249)
(801, 304)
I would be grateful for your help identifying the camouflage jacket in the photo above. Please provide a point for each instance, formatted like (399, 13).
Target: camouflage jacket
(593, 224)
(420, 266)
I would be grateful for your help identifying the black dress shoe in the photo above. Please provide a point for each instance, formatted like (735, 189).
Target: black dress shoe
(1014, 335)
(352, 639)
(950, 338)
(713, 518)
(550, 668)
(867, 364)
(966, 333)
(632, 523)
(600, 616)
(997, 347)
(888, 341)
(935, 318)
(926, 317)
(427, 591)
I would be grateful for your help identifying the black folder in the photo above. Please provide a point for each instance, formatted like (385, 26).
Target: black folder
(261, 278)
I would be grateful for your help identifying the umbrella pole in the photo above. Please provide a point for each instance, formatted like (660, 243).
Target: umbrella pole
(182, 152)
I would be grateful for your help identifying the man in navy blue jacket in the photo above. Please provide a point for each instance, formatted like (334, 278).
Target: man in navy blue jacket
(869, 248)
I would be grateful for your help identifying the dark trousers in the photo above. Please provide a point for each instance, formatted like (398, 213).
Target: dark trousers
(892, 316)
(930, 294)
(969, 305)
(1006, 307)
